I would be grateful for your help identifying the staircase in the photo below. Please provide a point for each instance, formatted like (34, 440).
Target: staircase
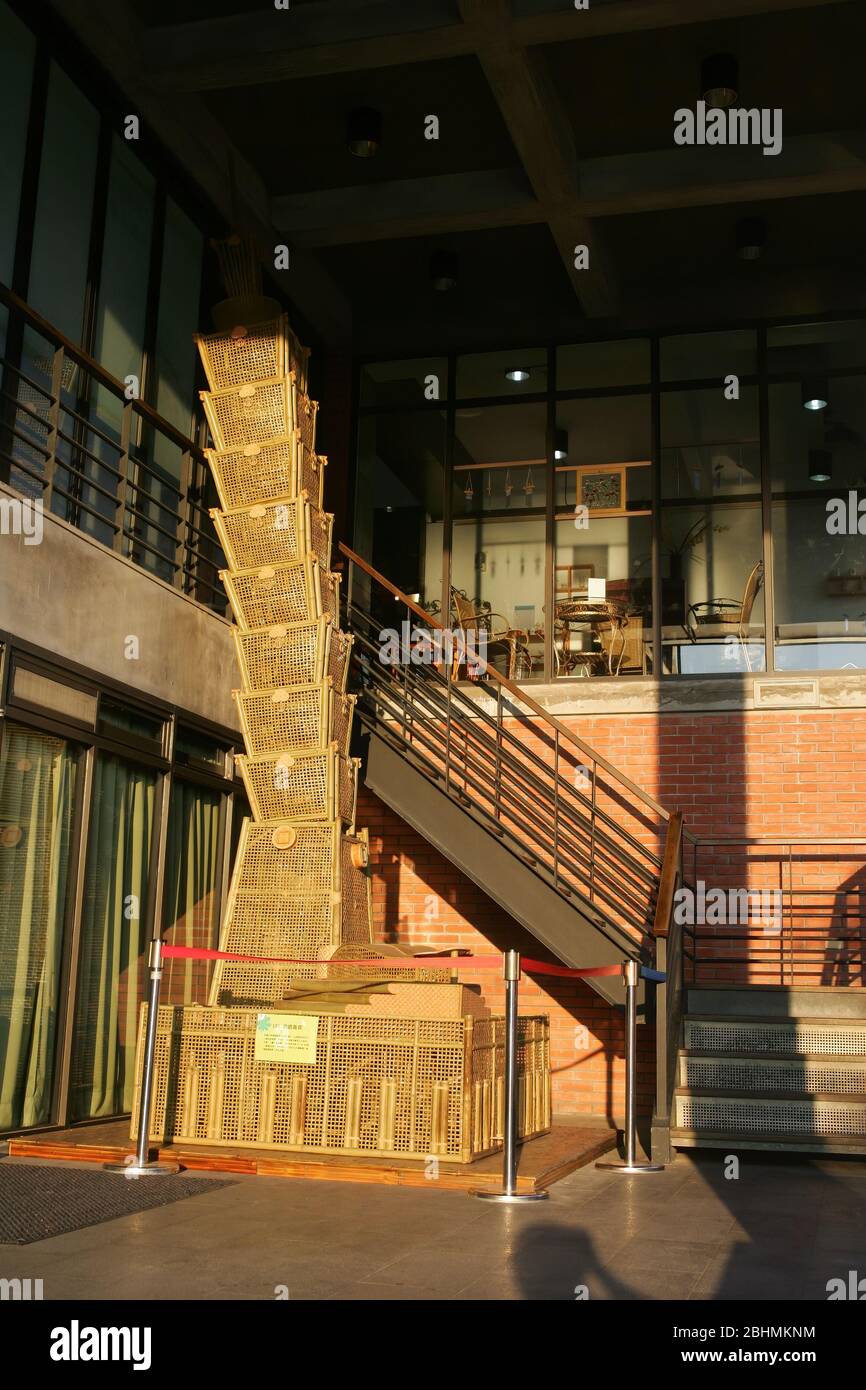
(554, 834)
(589, 864)
(772, 1068)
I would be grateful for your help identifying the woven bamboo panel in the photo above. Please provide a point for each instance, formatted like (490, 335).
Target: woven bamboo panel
(253, 413)
(294, 890)
(386, 1087)
(297, 655)
(258, 472)
(295, 719)
(301, 787)
(307, 413)
(275, 595)
(251, 352)
(272, 533)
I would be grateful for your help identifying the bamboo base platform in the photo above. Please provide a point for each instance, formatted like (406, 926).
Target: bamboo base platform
(541, 1161)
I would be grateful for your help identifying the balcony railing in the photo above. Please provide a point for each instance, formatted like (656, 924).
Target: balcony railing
(104, 461)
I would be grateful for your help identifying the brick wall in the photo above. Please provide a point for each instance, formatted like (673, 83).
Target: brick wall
(755, 773)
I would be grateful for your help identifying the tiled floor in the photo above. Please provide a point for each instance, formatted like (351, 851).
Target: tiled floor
(782, 1229)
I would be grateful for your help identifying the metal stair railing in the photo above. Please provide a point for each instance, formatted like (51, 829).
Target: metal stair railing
(568, 814)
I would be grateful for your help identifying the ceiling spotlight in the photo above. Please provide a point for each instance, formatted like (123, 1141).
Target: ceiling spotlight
(720, 80)
(751, 238)
(814, 393)
(364, 132)
(560, 444)
(517, 374)
(820, 465)
(443, 270)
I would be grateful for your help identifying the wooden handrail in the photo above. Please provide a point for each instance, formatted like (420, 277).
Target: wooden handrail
(95, 369)
(515, 690)
(669, 874)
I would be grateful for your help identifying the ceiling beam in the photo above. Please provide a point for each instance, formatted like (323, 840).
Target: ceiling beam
(335, 37)
(390, 211)
(541, 134)
(612, 186)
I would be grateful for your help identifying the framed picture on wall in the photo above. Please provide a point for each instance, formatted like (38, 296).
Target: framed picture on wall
(601, 489)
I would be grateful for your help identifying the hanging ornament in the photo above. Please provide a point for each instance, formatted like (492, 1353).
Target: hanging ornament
(468, 491)
(489, 483)
(509, 487)
(529, 485)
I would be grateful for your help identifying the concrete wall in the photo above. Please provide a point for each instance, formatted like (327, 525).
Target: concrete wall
(77, 600)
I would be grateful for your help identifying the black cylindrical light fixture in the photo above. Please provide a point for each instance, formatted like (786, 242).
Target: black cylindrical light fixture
(751, 238)
(443, 271)
(814, 393)
(364, 132)
(720, 80)
(560, 444)
(820, 465)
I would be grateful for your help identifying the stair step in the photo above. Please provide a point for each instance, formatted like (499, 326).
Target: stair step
(807, 1074)
(778, 1001)
(838, 1037)
(685, 1138)
(790, 1116)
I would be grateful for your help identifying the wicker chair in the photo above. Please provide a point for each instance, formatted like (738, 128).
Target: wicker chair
(625, 645)
(724, 618)
(472, 620)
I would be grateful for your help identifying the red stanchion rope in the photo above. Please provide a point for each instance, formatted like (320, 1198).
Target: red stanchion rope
(531, 967)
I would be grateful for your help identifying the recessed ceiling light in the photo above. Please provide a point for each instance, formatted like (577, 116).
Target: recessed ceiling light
(517, 374)
(820, 465)
(364, 132)
(814, 393)
(720, 80)
(751, 238)
(560, 445)
(443, 271)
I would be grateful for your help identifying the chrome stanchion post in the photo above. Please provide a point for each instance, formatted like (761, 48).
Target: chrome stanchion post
(509, 1193)
(139, 1166)
(630, 1164)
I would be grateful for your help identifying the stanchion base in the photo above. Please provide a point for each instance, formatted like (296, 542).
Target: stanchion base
(142, 1170)
(619, 1165)
(511, 1197)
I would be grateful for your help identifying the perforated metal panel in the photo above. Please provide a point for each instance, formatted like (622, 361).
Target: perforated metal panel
(780, 1117)
(731, 1036)
(745, 1075)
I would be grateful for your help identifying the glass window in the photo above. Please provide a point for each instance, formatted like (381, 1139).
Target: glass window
(711, 533)
(146, 729)
(17, 47)
(518, 372)
(603, 593)
(192, 876)
(819, 552)
(405, 383)
(114, 936)
(400, 493)
(805, 347)
(603, 435)
(37, 793)
(500, 459)
(194, 749)
(694, 355)
(497, 571)
(179, 295)
(584, 365)
(61, 238)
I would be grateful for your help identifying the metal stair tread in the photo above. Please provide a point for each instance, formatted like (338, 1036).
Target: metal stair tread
(797, 1143)
(732, 1054)
(718, 1093)
(783, 1020)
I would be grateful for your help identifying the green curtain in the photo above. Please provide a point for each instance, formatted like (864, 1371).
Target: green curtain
(37, 790)
(114, 935)
(191, 916)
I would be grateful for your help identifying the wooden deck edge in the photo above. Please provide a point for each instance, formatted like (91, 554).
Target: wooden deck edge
(323, 1168)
